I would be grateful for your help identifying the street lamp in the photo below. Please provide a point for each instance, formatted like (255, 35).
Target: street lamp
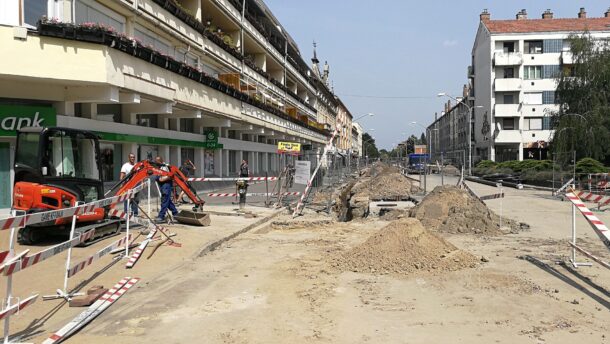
(370, 114)
(470, 113)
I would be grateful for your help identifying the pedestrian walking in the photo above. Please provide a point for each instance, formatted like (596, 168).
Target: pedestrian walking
(125, 171)
(165, 185)
(244, 171)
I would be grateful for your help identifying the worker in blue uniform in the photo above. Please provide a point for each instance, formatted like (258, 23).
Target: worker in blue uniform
(166, 186)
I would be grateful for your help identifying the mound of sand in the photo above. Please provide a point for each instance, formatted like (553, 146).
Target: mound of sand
(385, 186)
(449, 209)
(404, 247)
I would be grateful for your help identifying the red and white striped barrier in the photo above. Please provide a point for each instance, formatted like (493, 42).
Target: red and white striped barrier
(15, 265)
(593, 198)
(590, 255)
(598, 226)
(93, 311)
(123, 215)
(3, 256)
(248, 179)
(493, 196)
(262, 194)
(138, 252)
(81, 265)
(35, 218)
(329, 145)
(17, 307)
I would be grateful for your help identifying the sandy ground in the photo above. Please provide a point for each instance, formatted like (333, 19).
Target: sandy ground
(275, 284)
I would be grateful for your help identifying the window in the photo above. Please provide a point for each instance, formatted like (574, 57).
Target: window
(183, 56)
(550, 71)
(509, 47)
(93, 13)
(509, 99)
(508, 123)
(533, 47)
(232, 161)
(232, 134)
(509, 73)
(532, 72)
(111, 157)
(552, 45)
(187, 154)
(33, 10)
(548, 97)
(547, 123)
(532, 98)
(187, 125)
(532, 123)
(146, 120)
(156, 43)
(109, 112)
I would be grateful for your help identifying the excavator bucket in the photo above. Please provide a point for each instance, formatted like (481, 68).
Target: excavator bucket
(194, 218)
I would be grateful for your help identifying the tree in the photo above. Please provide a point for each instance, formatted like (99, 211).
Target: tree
(369, 147)
(583, 120)
(422, 139)
(411, 142)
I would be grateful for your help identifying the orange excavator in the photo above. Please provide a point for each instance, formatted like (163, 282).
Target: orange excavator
(57, 167)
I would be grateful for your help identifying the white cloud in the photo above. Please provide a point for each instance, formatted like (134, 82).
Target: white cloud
(450, 43)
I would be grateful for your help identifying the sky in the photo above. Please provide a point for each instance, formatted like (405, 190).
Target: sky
(400, 48)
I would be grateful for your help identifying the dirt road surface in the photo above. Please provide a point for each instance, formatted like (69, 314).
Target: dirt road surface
(277, 284)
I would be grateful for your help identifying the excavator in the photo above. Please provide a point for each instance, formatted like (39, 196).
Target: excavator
(56, 168)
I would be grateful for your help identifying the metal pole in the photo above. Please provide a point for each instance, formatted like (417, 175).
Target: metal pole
(9, 282)
(442, 170)
(148, 191)
(573, 234)
(470, 141)
(127, 226)
(70, 250)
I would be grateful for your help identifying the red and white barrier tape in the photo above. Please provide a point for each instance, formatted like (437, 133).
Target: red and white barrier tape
(252, 194)
(93, 311)
(81, 265)
(590, 255)
(17, 307)
(494, 196)
(138, 252)
(3, 256)
(123, 215)
(248, 179)
(14, 265)
(598, 226)
(31, 219)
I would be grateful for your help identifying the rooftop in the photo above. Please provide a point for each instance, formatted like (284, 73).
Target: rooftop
(547, 24)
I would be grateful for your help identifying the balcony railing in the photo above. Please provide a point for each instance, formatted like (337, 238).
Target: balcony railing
(507, 110)
(507, 85)
(508, 59)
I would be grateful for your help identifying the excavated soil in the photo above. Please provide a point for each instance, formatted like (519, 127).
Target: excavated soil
(404, 247)
(384, 186)
(449, 209)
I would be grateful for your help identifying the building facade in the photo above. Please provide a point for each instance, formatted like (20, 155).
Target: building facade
(515, 65)
(357, 131)
(448, 134)
(213, 81)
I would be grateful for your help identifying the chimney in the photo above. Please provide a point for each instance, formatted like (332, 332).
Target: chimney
(435, 116)
(465, 91)
(522, 15)
(547, 14)
(582, 14)
(485, 15)
(607, 14)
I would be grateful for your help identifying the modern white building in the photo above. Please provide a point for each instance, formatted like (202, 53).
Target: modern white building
(213, 81)
(513, 80)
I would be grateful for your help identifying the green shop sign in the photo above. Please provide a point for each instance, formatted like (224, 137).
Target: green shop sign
(15, 117)
(150, 140)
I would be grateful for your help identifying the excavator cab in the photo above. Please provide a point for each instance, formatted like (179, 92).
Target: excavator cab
(55, 168)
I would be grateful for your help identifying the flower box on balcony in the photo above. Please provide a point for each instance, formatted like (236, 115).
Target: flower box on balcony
(126, 45)
(111, 39)
(145, 53)
(182, 15)
(159, 59)
(170, 6)
(90, 33)
(196, 75)
(173, 65)
(185, 70)
(52, 29)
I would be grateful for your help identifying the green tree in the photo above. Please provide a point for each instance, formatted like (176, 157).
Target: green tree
(422, 139)
(369, 147)
(411, 142)
(583, 120)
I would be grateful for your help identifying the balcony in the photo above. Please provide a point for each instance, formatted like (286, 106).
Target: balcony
(567, 58)
(507, 85)
(507, 59)
(509, 136)
(470, 72)
(507, 110)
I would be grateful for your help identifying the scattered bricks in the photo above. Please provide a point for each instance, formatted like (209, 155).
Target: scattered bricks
(95, 289)
(88, 300)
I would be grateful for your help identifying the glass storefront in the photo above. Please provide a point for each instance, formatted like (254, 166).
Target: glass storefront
(208, 162)
(112, 159)
(148, 153)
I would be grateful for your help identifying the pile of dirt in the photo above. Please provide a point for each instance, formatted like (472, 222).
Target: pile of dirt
(387, 185)
(449, 209)
(450, 170)
(404, 247)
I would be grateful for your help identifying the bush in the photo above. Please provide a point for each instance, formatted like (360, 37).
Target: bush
(589, 165)
(486, 164)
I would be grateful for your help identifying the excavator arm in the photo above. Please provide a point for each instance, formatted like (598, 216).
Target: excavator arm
(145, 169)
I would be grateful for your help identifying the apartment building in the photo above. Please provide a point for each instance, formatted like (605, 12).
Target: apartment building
(515, 64)
(357, 132)
(448, 134)
(213, 81)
